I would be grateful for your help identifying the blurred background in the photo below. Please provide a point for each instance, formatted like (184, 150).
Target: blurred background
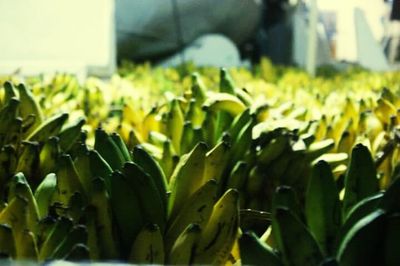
(91, 37)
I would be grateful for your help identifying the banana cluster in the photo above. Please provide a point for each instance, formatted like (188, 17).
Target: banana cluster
(360, 229)
(110, 172)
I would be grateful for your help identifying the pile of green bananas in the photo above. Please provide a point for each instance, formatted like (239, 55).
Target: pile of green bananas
(108, 172)
(361, 229)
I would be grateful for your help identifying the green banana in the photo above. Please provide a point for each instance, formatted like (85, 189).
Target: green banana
(9, 92)
(70, 134)
(182, 250)
(100, 168)
(79, 252)
(126, 210)
(194, 113)
(148, 247)
(77, 235)
(221, 101)
(14, 134)
(253, 251)
(391, 241)
(186, 178)
(273, 149)
(196, 210)
(93, 242)
(44, 193)
(169, 159)
(116, 138)
(48, 156)
(29, 105)
(50, 127)
(226, 83)
(28, 160)
(58, 233)
(220, 233)
(238, 176)
(174, 124)
(361, 177)
(361, 245)
(108, 149)
(150, 201)
(359, 211)
(67, 180)
(103, 213)
(153, 168)
(215, 162)
(198, 88)
(187, 140)
(83, 168)
(322, 207)
(25, 246)
(288, 229)
(8, 114)
(7, 245)
(19, 186)
(8, 163)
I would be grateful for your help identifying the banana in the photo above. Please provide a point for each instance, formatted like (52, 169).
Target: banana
(182, 250)
(108, 149)
(19, 186)
(273, 149)
(16, 215)
(239, 122)
(151, 123)
(288, 229)
(361, 177)
(153, 168)
(29, 105)
(359, 211)
(104, 223)
(8, 163)
(242, 144)
(391, 241)
(75, 208)
(148, 247)
(28, 160)
(93, 242)
(319, 148)
(48, 156)
(322, 207)
(70, 134)
(83, 168)
(127, 211)
(152, 204)
(169, 159)
(195, 114)
(8, 114)
(220, 233)
(209, 127)
(353, 249)
(25, 246)
(156, 138)
(116, 138)
(244, 96)
(222, 101)
(253, 251)
(44, 193)
(9, 92)
(79, 252)
(100, 168)
(186, 178)
(187, 140)
(7, 245)
(215, 162)
(14, 134)
(174, 124)
(198, 89)
(49, 127)
(77, 235)
(226, 83)
(67, 180)
(238, 176)
(196, 210)
(333, 159)
(255, 180)
(58, 233)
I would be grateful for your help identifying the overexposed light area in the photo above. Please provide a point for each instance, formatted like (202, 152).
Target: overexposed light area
(59, 35)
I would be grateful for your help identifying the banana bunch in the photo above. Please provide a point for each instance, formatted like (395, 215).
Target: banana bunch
(328, 228)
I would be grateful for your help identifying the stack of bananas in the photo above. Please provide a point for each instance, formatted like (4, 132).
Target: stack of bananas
(206, 174)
